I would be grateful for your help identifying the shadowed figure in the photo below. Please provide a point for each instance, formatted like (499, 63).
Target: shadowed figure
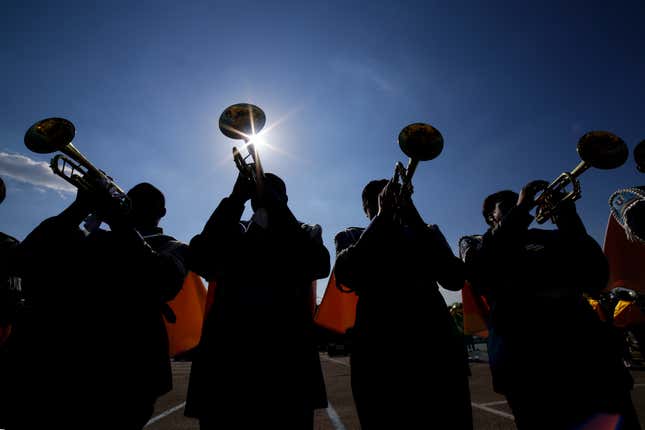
(546, 344)
(408, 361)
(257, 365)
(10, 289)
(92, 324)
(10, 301)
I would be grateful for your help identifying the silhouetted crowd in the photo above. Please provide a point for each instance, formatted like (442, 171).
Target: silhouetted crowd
(84, 343)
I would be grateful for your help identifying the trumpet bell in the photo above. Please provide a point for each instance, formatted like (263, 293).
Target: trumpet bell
(49, 135)
(602, 150)
(241, 121)
(421, 141)
(639, 156)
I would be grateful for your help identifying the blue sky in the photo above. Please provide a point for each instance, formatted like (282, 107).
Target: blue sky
(511, 86)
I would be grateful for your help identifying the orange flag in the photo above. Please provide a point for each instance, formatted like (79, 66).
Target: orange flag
(189, 307)
(626, 258)
(476, 312)
(337, 310)
(628, 314)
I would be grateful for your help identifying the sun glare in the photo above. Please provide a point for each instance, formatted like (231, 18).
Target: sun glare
(258, 140)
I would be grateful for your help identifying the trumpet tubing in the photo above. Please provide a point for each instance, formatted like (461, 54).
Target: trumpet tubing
(599, 149)
(420, 142)
(56, 134)
(243, 121)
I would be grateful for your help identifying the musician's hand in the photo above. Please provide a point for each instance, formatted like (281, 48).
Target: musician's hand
(387, 200)
(526, 198)
(92, 223)
(95, 197)
(243, 189)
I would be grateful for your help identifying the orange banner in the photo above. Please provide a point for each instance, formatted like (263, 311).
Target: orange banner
(626, 258)
(476, 312)
(189, 307)
(337, 310)
(628, 314)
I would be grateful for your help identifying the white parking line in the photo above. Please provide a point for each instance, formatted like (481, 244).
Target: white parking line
(500, 402)
(483, 406)
(165, 414)
(334, 418)
(493, 411)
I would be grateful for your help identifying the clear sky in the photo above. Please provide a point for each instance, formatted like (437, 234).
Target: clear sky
(511, 86)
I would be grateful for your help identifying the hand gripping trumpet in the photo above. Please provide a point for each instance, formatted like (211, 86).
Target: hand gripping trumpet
(56, 134)
(599, 149)
(244, 121)
(420, 142)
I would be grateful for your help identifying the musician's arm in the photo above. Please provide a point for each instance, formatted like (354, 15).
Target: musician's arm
(218, 243)
(584, 255)
(356, 264)
(436, 252)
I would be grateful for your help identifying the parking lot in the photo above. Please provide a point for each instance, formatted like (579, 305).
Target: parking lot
(490, 410)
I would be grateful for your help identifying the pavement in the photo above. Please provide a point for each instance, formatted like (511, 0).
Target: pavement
(490, 410)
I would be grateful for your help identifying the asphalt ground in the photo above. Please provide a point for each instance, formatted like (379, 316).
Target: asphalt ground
(490, 411)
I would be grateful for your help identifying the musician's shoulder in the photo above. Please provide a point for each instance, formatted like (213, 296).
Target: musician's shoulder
(7, 241)
(469, 243)
(312, 229)
(347, 237)
(350, 231)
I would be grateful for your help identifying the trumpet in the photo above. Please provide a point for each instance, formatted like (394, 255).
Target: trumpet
(244, 121)
(599, 149)
(56, 134)
(420, 142)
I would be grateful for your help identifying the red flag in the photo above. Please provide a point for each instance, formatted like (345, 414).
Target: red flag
(626, 258)
(189, 307)
(337, 310)
(5, 331)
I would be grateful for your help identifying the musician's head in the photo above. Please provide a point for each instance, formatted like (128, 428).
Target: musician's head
(148, 205)
(497, 205)
(370, 196)
(276, 189)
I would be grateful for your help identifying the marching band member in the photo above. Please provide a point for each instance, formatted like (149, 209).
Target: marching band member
(408, 360)
(76, 327)
(257, 365)
(545, 341)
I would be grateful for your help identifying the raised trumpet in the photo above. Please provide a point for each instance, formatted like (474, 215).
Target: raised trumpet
(599, 149)
(56, 134)
(420, 142)
(244, 121)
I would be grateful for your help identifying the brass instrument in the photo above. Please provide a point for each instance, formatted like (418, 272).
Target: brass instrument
(599, 149)
(244, 121)
(56, 134)
(420, 142)
(639, 156)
